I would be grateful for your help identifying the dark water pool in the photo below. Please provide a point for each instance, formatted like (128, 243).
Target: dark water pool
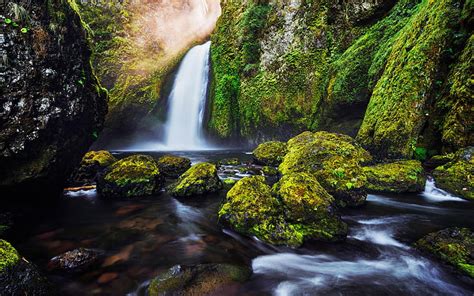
(142, 238)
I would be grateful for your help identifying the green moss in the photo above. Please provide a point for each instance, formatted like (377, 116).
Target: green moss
(334, 159)
(400, 176)
(173, 166)
(8, 255)
(103, 158)
(296, 210)
(452, 245)
(457, 175)
(270, 171)
(270, 153)
(198, 180)
(397, 110)
(136, 175)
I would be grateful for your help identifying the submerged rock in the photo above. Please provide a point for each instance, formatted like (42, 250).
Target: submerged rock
(457, 176)
(203, 279)
(93, 163)
(200, 179)
(18, 276)
(400, 176)
(52, 105)
(452, 245)
(77, 260)
(298, 209)
(334, 159)
(270, 153)
(133, 176)
(173, 166)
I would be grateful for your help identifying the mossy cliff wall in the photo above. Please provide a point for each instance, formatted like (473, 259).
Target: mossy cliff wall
(52, 104)
(368, 68)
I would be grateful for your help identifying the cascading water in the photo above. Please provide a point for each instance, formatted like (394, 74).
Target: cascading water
(183, 129)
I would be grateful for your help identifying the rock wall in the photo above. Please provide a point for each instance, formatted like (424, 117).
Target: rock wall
(382, 70)
(52, 104)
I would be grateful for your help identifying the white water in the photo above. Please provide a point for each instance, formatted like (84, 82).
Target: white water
(435, 194)
(188, 100)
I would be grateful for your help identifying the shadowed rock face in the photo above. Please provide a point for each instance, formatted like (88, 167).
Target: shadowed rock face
(52, 105)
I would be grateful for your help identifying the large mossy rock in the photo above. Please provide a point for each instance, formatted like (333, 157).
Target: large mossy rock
(52, 105)
(173, 166)
(93, 163)
(18, 276)
(203, 279)
(334, 159)
(457, 176)
(398, 177)
(452, 245)
(200, 179)
(133, 176)
(297, 209)
(270, 153)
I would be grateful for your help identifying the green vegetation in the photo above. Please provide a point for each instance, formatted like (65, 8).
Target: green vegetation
(270, 153)
(133, 176)
(295, 210)
(198, 180)
(401, 176)
(334, 159)
(173, 166)
(457, 176)
(8, 255)
(452, 245)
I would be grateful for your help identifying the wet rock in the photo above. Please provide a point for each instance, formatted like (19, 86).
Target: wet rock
(270, 153)
(107, 278)
(203, 279)
(457, 176)
(77, 260)
(133, 176)
(52, 105)
(295, 210)
(173, 166)
(18, 276)
(200, 179)
(92, 164)
(454, 246)
(334, 159)
(400, 176)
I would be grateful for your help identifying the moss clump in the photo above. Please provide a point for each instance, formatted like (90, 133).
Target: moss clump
(203, 279)
(92, 163)
(400, 176)
(133, 176)
(280, 217)
(270, 171)
(229, 161)
(452, 245)
(270, 153)
(200, 179)
(173, 166)
(8, 255)
(400, 101)
(334, 159)
(457, 176)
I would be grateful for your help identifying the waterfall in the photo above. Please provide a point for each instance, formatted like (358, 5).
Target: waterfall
(183, 129)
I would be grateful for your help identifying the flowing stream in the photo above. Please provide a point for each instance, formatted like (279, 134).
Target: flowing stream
(142, 238)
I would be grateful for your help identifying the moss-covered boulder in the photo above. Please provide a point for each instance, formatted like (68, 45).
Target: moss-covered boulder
(229, 161)
(200, 179)
(173, 166)
(334, 159)
(93, 163)
(270, 171)
(308, 206)
(457, 176)
(18, 276)
(289, 216)
(452, 245)
(400, 176)
(270, 153)
(203, 279)
(133, 176)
